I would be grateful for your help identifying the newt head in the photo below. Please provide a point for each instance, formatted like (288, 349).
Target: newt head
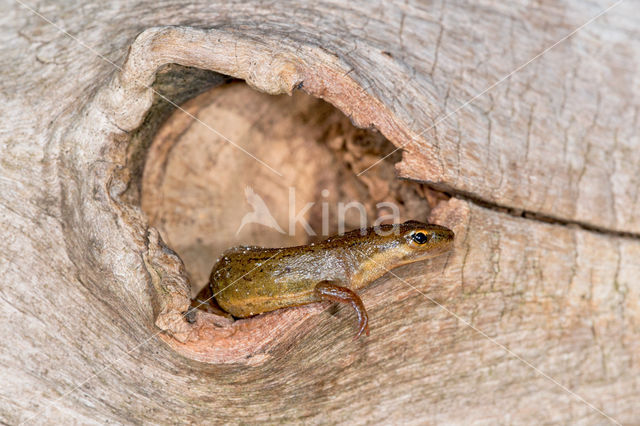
(420, 241)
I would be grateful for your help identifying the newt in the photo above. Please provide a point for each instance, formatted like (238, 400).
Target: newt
(249, 280)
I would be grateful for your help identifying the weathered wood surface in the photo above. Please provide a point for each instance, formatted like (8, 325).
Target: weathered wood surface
(86, 284)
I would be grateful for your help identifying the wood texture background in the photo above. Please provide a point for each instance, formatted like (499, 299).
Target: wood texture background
(86, 282)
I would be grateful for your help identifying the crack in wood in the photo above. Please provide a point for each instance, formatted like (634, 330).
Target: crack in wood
(522, 213)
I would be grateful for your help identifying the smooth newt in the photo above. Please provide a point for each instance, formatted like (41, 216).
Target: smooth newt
(247, 281)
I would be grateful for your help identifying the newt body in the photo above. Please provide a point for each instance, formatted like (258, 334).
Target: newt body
(247, 281)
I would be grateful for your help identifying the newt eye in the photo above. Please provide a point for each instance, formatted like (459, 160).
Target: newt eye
(420, 237)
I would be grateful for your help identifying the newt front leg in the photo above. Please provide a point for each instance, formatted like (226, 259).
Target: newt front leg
(326, 290)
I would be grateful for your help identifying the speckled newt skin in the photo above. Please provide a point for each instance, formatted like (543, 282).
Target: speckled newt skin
(247, 281)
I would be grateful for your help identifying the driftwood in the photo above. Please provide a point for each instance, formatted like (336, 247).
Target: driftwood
(111, 214)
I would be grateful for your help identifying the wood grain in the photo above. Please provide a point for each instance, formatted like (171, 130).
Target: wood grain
(87, 283)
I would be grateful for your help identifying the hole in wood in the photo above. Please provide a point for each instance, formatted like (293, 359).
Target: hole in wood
(117, 134)
(197, 185)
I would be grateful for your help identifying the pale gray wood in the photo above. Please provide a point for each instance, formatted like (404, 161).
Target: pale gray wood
(86, 283)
